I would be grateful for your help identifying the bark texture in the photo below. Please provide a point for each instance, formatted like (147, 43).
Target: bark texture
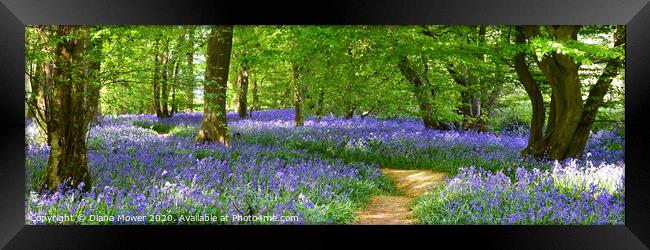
(213, 126)
(594, 101)
(70, 108)
(535, 142)
(570, 119)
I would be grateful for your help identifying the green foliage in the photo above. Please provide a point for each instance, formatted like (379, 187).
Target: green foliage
(611, 119)
(95, 143)
(158, 127)
(183, 131)
(513, 114)
(345, 70)
(441, 159)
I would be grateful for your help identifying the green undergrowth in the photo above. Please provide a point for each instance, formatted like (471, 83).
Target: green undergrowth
(448, 159)
(158, 127)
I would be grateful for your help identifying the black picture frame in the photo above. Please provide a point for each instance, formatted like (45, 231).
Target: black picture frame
(15, 14)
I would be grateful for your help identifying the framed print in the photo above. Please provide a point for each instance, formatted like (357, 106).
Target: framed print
(520, 125)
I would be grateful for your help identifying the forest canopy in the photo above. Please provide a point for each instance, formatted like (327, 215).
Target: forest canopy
(345, 70)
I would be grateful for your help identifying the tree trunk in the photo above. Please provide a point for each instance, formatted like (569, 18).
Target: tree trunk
(30, 95)
(35, 97)
(214, 125)
(156, 82)
(298, 101)
(69, 110)
(595, 99)
(39, 80)
(92, 69)
(566, 108)
(421, 95)
(235, 87)
(36, 82)
(98, 109)
(562, 73)
(174, 105)
(471, 98)
(173, 87)
(535, 142)
(165, 80)
(190, 70)
(256, 98)
(490, 103)
(242, 91)
(176, 63)
(93, 101)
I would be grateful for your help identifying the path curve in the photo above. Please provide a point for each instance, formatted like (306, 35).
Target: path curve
(394, 210)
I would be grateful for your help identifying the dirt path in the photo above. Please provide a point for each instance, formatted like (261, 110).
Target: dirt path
(393, 210)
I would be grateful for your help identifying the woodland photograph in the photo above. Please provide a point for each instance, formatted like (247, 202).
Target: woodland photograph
(352, 124)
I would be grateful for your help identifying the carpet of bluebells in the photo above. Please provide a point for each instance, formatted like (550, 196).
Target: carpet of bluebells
(566, 195)
(322, 173)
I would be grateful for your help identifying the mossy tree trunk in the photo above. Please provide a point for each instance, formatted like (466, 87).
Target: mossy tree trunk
(70, 108)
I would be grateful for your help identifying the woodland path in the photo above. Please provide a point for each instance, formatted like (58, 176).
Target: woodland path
(393, 209)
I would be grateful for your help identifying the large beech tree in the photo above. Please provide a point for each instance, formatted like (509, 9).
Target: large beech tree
(71, 97)
(213, 126)
(570, 118)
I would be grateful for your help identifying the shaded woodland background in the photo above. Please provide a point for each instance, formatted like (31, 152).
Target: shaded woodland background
(557, 82)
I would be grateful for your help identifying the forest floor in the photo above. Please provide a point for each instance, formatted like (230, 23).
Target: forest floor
(394, 210)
